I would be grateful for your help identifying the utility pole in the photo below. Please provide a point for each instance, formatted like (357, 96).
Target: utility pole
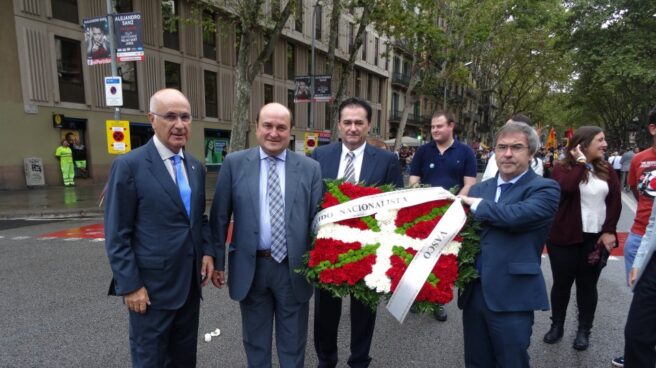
(312, 65)
(112, 49)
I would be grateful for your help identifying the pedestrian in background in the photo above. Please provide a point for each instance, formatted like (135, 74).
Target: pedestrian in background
(583, 233)
(616, 161)
(65, 156)
(626, 166)
(640, 330)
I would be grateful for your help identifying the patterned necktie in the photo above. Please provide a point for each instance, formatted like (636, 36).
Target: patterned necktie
(349, 171)
(183, 185)
(276, 213)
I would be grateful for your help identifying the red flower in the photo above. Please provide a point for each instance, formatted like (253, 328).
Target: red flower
(446, 270)
(355, 191)
(354, 223)
(350, 273)
(329, 200)
(422, 230)
(410, 214)
(329, 250)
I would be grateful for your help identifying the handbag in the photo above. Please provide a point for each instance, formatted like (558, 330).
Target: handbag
(598, 257)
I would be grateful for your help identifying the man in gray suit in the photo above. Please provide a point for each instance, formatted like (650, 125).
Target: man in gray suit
(157, 237)
(272, 195)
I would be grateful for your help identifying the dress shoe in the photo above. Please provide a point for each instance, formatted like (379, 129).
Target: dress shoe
(441, 315)
(555, 333)
(582, 339)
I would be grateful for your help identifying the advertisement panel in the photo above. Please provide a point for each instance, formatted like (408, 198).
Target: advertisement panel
(129, 37)
(96, 36)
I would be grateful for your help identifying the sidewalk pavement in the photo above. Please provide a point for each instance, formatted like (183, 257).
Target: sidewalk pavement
(81, 201)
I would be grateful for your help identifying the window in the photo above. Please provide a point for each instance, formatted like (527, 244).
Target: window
(65, 10)
(291, 62)
(172, 75)
(128, 72)
(298, 17)
(357, 83)
(370, 93)
(395, 102)
(319, 21)
(380, 90)
(376, 50)
(268, 93)
(69, 70)
(123, 6)
(396, 66)
(364, 46)
(209, 34)
(211, 95)
(290, 102)
(170, 11)
(351, 35)
(268, 65)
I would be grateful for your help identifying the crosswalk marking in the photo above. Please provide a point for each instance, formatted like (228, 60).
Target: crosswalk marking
(20, 237)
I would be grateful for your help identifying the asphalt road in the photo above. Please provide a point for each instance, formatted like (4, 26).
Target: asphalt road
(54, 312)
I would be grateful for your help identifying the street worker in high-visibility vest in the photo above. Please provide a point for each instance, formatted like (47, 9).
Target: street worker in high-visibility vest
(65, 156)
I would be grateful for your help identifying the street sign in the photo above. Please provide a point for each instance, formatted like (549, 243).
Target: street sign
(113, 91)
(118, 136)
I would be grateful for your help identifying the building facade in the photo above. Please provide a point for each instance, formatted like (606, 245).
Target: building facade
(52, 91)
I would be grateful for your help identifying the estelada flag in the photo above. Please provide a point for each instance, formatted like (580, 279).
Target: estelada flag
(551, 140)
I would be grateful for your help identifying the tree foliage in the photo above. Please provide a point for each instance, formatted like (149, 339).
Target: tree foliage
(614, 53)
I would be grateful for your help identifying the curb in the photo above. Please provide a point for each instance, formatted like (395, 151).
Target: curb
(74, 213)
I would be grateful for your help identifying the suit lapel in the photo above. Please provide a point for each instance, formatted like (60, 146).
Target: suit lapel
(368, 165)
(292, 172)
(159, 172)
(332, 165)
(251, 170)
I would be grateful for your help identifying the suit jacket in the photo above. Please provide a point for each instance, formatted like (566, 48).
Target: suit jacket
(512, 237)
(237, 196)
(149, 238)
(379, 167)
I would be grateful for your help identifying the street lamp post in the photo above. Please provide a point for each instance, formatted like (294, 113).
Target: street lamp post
(317, 5)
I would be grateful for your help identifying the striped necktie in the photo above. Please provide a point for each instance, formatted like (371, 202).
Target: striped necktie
(349, 171)
(276, 213)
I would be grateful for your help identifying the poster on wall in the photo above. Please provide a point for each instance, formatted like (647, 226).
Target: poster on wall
(215, 150)
(302, 89)
(129, 37)
(96, 37)
(322, 88)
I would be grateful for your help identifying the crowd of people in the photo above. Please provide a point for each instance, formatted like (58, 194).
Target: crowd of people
(163, 249)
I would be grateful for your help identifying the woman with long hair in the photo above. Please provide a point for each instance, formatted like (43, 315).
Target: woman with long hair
(583, 233)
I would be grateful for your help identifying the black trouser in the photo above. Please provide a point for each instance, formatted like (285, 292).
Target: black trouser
(640, 331)
(569, 263)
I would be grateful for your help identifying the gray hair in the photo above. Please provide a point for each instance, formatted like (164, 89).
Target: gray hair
(519, 127)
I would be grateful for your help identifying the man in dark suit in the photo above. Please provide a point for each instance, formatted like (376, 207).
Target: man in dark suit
(355, 161)
(157, 237)
(272, 194)
(515, 210)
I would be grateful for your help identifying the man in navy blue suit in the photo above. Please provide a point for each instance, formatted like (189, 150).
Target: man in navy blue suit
(157, 237)
(516, 211)
(356, 161)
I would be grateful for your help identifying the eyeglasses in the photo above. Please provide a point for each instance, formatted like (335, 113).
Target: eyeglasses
(514, 148)
(172, 117)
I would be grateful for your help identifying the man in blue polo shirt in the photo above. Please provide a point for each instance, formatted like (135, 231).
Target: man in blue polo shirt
(444, 162)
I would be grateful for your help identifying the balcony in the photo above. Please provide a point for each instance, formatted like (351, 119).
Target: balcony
(400, 79)
(395, 117)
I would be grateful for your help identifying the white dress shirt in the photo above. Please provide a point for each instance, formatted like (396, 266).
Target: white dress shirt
(357, 161)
